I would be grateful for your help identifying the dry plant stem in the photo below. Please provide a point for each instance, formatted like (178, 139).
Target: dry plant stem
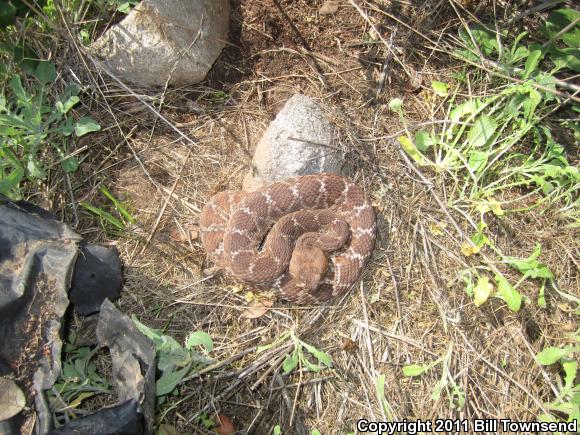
(460, 232)
(487, 65)
(394, 336)
(101, 66)
(298, 423)
(502, 373)
(167, 199)
(273, 366)
(73, 202)
(220, 364)
(370, 23)
(369, 343)
(395, 288)
(535, 9)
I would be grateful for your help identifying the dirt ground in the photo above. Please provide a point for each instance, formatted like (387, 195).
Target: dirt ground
(411, 305)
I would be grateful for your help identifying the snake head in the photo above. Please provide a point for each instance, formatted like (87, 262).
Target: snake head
(308, 266)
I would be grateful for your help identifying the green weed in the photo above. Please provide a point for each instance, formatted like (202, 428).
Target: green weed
(174, 361)
(447, 383)
(298, 357)
(501, 142)
(125, 217)
(566, 405)
(79, 380)
(505, 142)
(31, 122)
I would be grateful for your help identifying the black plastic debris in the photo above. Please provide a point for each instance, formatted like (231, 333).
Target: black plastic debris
(121, 419)
(97, 276)
(42, 262)
(133, 357)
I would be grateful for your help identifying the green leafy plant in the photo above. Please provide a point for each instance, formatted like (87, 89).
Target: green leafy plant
(174, 361)
(455, 394)
(206, 421)
(79, 380)
(501, 141)
(380, 390)
(298, 357)
(125, 217)
(31, 123)
(567, 401)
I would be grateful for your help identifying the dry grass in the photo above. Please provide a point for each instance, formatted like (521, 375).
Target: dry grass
(410, 307)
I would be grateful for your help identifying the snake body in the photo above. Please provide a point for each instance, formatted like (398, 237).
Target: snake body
(308, 236)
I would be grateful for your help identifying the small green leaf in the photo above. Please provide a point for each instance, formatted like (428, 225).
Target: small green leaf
(565, 57)
(560, 19)
(85, 37)
(396, 105)
(532, 62)
(86, 125)
(45, 72)
(65, 106)
(481, 291)
(482, 131)
(70, 164)
(415, 369)
(480, 239)
(10, 180)
(322, 357)
(436, 393)
(411, 149)
(277, 430)
(199, 338)
(531, 266)
(424, 140)
(314, 432)
(569, 367)
(18, 89)
(35, 169)
(106, 216)
(542, 295)
(124, 7)
(440, 88)
(550, 355)
(477, 160)
(310, 365)
(467, 108)
(290, 362)
(510, 295)
(168, 381)
(486, 40)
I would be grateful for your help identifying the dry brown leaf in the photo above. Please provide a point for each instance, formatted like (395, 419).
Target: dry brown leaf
(257, 308)
(224, 425)
(349, 345)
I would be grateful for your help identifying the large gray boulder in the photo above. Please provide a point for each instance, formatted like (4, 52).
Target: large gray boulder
(299, 141)
(174, 41)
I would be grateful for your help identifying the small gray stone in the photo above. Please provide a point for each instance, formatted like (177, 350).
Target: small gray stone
(161, 40)
(298, 142)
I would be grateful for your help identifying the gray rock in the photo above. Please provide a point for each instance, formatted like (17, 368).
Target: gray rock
(159, 40)
(298, 142)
